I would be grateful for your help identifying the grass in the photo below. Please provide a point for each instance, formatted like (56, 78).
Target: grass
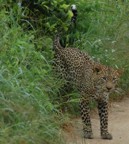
(26, 112)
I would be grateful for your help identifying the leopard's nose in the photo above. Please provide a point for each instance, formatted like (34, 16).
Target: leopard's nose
(108, 88)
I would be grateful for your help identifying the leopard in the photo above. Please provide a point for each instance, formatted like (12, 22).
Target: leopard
(94, 82)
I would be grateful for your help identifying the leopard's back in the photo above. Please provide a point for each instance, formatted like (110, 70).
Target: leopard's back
(73, 64)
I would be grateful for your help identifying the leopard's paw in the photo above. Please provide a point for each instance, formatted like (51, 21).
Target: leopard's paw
(88, 135)
(106, 136)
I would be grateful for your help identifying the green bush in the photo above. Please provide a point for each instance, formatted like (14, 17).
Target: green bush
(27, 114)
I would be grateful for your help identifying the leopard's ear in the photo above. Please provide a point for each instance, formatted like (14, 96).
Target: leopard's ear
(97, 68)
(120, 71)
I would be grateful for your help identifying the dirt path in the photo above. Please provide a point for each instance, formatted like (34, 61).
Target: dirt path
(118, 126)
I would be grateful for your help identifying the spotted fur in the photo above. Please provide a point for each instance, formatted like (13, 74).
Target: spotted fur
(93, 80)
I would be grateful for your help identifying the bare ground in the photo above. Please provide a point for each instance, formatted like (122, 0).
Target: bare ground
(118, 126)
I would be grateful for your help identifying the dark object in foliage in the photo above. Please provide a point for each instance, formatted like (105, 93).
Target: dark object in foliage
(74, 11)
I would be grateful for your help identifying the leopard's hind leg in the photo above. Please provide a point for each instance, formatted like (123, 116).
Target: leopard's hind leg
(85, 114)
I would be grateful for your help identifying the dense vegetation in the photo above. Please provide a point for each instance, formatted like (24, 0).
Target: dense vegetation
(29, 110)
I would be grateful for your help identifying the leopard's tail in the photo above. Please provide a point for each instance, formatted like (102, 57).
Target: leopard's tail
(56, 44)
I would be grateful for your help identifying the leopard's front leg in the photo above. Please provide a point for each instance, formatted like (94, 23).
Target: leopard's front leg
(85, 114)
(103, 114)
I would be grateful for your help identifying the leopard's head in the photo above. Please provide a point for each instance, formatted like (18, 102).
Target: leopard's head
(106, 78)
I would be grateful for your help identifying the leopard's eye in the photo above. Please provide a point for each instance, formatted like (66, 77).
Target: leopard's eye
(104, 78)
(114, 78)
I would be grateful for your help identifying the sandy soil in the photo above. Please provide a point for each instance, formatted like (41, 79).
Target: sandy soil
(118, 126)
